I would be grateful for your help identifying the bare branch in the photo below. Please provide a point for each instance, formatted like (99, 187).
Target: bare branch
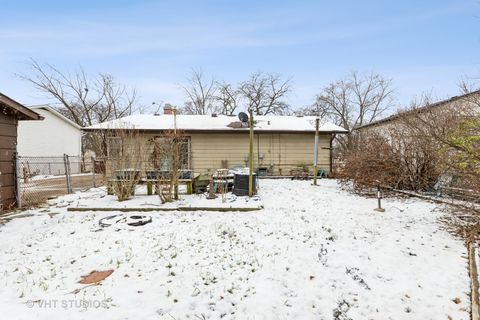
(264, 93)
(354, 101)
(82, 99)
(228, 97)
(200, 94)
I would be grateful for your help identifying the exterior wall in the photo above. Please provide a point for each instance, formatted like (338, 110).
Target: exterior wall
(51, 137)
(8, 143)
(381, 128)
(279, 152)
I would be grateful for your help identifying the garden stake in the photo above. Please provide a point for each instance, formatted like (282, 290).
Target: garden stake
(379, 197)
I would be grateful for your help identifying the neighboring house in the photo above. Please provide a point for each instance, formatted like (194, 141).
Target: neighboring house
(11, 112)
(412, 132)
(281, 143)
(55, 136)
(471, 99)
(43, 144)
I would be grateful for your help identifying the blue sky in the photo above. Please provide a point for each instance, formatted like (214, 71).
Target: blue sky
(152, 45)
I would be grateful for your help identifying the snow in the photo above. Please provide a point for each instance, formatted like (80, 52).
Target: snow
(218, 123)
(97, 198)
(311, 253)
(51, 176)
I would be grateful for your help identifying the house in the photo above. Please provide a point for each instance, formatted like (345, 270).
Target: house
(42, 145)
(471, 100)
(281, 143)
(11, 112)
(55, 136)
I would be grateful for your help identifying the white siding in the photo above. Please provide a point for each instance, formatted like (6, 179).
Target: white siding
(49, 137)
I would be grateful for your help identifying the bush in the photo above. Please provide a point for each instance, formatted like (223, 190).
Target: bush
(392, 159)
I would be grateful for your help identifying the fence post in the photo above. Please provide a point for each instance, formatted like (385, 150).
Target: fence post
(18, 188)
(67, 173)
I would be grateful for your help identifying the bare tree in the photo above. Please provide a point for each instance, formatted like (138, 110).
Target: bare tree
(84, 100)
(264, 93)
(354, 101)
(228, 98)
(200, 94)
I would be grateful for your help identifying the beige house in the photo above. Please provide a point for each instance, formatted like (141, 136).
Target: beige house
(281, 143)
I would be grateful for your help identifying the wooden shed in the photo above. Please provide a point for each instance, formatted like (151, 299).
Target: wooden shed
(10, 113)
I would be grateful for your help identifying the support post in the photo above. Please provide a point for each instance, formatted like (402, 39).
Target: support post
(472, 270)
(315, 156)
(175, 162)
(330, 153)
(93, 172)
(18, 188)
(250, 173)
(149, 188)
(66, 162)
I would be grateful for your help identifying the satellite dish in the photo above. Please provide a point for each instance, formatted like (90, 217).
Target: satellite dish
(243, 117)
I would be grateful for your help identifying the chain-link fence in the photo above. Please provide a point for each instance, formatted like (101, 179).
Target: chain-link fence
(42, 178)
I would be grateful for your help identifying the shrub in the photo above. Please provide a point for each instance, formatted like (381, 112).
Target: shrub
(392, 159)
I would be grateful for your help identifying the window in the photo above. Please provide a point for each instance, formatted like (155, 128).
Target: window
(164, 150)
(115, 147)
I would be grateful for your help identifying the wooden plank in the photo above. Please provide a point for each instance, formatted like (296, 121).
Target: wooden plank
(7, 180)
(7, 118)
(7, 142)
(7, 167)
(8, 196)
(7, 154)
(9, 130)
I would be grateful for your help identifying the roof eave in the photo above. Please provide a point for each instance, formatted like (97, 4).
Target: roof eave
(420, 109)
(224, 130)
(24, 112)
(58, 114)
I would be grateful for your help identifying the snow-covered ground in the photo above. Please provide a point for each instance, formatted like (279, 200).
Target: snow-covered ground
(312, 253)
(97, 198)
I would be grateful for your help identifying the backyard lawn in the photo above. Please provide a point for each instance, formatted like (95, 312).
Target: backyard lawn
(311, 253)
